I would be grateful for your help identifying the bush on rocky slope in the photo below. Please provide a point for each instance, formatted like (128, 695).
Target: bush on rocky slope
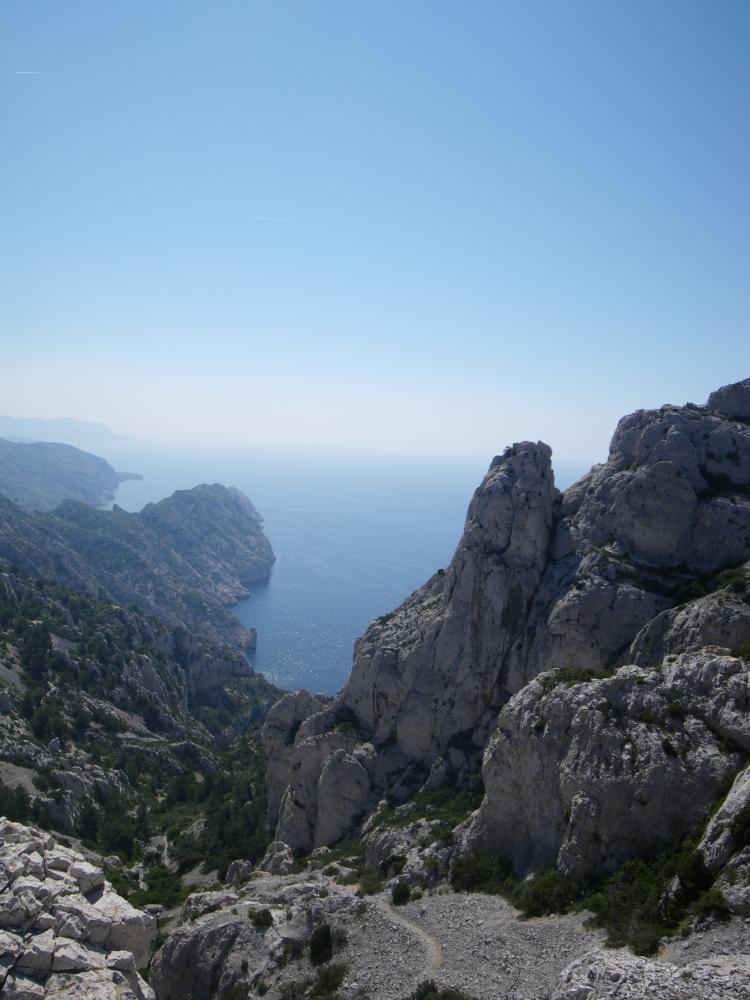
(641, 903)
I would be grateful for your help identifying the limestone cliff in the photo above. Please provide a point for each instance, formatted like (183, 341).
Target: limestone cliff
(603, 575)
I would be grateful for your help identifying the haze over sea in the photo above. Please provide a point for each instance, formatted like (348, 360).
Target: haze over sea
(353, 537)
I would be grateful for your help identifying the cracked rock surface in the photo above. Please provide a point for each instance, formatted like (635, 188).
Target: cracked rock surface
(64, 931)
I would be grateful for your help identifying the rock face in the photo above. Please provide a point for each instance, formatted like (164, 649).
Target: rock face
(183, 560)
(584, 777)
(219, 950)
(39, 476)
(618, 974)
(587, 580)
(279, 732)
(64, 932)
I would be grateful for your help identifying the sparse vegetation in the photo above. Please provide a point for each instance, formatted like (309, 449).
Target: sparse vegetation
(209, 802)
(323, 986)
(400, 894)
(635, 905)
(445, 806)
(321, 945)
(262, 918)
(571, 676)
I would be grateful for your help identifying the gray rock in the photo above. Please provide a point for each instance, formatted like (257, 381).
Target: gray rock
(68, 918)
(603, 974)
(585, 777)
(278, 859)
(717, 844)
(732, 400)
(238, 871)
(279, 734)
(585, 580)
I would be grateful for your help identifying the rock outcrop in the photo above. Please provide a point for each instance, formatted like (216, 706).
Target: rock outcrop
(184, 560)
(248, 939)
(603, 974)
(584, 776)
(64, 931)
(587, 580)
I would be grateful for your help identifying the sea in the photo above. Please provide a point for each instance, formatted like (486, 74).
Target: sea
(353, 537)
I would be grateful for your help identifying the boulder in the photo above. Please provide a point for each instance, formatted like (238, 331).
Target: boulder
(278, 859)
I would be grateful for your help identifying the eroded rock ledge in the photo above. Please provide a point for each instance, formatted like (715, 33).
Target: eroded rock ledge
(64, 931)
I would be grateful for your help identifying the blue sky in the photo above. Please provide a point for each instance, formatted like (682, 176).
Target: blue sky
(386, 226)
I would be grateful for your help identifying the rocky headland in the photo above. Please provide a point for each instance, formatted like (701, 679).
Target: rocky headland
(40, 475)
(185, 559)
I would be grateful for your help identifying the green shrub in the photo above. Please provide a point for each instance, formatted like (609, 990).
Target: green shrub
(295, 991)
(321, 945)
(479, 873)
(393, 865)
(322, 987)
(370, 880)
(740, 827)
(236, 992)
(713, 904)
(572, 676)
(734, 579)
(164, 887)
(261, 918)
(400, 894)
(635, 905)
(328, 979)
(548, 891)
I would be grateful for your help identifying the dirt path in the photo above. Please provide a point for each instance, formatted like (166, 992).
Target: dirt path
(432, 945)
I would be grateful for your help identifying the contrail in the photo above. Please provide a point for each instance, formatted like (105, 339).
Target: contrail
(31, 72)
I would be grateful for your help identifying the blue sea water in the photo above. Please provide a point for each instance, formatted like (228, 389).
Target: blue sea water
(353, 537)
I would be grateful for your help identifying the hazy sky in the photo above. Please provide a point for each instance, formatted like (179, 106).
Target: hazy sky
(395, 226)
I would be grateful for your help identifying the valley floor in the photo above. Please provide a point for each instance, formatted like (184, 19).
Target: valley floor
(473, 943)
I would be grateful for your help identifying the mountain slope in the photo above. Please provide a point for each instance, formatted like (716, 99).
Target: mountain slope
(41, 475)
(119, 729)
(184, 559)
